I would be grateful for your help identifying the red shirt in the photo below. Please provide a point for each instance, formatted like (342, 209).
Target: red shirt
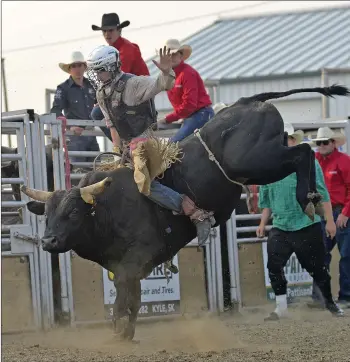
(336, 170)
(130, 57)
(188, 94)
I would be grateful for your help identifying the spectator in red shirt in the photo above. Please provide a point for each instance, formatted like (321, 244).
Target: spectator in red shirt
(188, 97)
(336, 170)
(130, 54)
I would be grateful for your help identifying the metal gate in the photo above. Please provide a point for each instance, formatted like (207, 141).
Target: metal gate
(235, 235)
(22, 238)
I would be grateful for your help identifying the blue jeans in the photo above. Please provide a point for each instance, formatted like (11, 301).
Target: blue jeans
(165, 197)
(97, 115)
(189, 125)
(342, 239)
(82, 143)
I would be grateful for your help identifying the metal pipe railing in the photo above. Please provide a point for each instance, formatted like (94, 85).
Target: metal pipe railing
(11, 180)
(13, 203)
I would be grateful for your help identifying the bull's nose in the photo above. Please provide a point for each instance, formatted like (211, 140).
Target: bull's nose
(48, 242)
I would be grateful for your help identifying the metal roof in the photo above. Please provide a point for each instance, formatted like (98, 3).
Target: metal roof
(270, 45)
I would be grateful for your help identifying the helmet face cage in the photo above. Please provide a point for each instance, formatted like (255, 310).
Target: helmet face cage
(93, 78)
(103, 59)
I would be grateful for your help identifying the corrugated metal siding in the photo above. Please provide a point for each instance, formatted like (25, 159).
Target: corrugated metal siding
(339, 107)
(229, 93)
(300, 110)
(271, 45)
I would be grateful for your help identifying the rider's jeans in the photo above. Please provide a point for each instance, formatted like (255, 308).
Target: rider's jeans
(165, 197)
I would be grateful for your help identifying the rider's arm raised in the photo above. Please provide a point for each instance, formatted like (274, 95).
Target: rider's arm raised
(142, 88)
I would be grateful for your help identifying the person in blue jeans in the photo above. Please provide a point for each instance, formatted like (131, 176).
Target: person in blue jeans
(195, 121)
(342, 240)
(189, 98)
(336, 168)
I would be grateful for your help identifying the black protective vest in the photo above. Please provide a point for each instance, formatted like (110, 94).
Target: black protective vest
(129, 121)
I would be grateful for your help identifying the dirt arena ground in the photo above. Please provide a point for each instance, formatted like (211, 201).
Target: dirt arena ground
(311, 336)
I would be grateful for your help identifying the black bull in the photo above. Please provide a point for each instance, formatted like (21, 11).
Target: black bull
(106, 220)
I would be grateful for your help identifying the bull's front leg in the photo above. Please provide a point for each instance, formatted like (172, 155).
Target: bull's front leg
(134, 306)
(127, 302)
(121, 311)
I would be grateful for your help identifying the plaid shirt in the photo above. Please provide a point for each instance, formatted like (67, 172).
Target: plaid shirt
(280, 197)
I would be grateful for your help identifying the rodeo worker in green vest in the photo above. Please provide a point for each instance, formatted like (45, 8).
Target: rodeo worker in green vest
(292, 231)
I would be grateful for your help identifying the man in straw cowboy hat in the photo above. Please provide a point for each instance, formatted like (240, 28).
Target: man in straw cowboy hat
(76, 97)
(130, 55)
(125, 102)
(336, 169)
(188, 97)
(293, 232)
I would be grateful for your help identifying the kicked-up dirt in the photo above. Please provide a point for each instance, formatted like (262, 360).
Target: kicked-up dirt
(307, 336)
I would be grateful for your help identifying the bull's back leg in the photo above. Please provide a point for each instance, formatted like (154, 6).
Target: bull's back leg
(306, 193)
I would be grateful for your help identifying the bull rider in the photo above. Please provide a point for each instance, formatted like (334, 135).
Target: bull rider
(126, 101)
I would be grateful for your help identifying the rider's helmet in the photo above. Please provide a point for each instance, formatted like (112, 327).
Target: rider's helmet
(104, 58)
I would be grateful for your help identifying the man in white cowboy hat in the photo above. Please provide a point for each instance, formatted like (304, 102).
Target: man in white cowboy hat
(76, 98)
(130, 55)
(188, 97)
(336, 169)
(293, 232)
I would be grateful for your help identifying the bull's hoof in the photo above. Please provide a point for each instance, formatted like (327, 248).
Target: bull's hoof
(310, 211)
(314, 197)
(121, 327)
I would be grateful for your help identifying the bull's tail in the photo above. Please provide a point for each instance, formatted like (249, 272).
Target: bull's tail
(337, 90)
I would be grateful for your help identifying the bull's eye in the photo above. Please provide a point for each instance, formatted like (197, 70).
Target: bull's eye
(74, 214)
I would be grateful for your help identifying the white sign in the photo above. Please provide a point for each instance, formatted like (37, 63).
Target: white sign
(298, 279)
(158, 297)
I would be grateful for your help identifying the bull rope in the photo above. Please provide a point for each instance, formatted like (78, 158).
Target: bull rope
(212, 158)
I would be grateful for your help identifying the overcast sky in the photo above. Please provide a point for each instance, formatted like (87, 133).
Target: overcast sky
(37, 23)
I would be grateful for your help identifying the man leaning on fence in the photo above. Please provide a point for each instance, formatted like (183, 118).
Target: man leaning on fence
(76, 98)
(189, 98)
(336, 169)
(292, 231)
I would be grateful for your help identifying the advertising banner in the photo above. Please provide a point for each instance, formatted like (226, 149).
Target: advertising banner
(157, 296)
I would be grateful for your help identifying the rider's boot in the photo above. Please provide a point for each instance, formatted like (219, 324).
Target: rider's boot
(203, 220)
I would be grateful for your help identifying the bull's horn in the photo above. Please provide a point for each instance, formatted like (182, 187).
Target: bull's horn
(88, 192)
(38, 195)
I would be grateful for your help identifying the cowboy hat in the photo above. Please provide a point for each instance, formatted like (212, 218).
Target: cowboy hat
(297, 135)
(75, 57)
(110, 21)
(325, 134)
(175, 46)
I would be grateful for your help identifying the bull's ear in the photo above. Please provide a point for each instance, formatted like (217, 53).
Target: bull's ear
(36, 207)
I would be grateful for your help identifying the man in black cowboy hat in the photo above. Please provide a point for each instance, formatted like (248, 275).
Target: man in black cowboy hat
(130, 54)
